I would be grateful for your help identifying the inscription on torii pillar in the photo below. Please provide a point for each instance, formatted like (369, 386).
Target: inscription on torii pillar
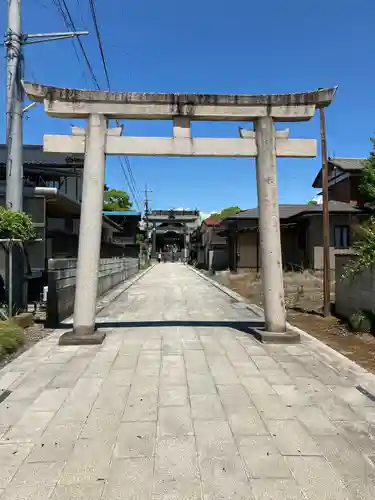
(96, 141)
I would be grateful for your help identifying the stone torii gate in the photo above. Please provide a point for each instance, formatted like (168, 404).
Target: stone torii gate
(98, 140)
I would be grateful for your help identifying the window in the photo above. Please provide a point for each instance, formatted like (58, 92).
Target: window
(342, 237)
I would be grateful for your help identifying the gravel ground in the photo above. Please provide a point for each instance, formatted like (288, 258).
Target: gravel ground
(33, 334)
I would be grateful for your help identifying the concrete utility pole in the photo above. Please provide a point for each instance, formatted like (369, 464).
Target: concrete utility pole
(147, 214)
(14, 105)
(14, 41)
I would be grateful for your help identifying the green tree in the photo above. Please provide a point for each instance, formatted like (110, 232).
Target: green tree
(115, 199)
(16, 225)
(367, 183)
(226, 212)
(312, 202)
(364, 234)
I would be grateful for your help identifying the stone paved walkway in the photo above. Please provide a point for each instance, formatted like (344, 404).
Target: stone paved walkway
(177, 404)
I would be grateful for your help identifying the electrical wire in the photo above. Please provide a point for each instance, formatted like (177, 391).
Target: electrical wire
(63, 9)
(99, 39)
(67, 17)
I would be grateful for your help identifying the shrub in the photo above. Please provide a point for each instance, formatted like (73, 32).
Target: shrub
(362, 321)
(16, 225)
(11, 337)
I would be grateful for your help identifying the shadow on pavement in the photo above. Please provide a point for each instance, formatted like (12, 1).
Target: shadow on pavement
(241, 326)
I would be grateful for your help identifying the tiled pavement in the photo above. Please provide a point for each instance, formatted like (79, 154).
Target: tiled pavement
(184, 407)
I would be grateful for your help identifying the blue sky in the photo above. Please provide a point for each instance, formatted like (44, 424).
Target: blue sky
(215, 46)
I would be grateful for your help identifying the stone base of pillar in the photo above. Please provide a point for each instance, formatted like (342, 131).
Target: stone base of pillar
(287, 337)
(82, 337)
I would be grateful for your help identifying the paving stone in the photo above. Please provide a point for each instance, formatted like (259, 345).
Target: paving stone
(224, 478)
(222, 370)
(214, 438)
(315, 420)
(334, 408)
(141, 408)
(119, 377)
(8, 379)
(78, 491)
(317, 479)
(89, 462)
(246, 369)
(173, 395)
(12, 456)
(277, 377)
(201, 384)
(262, 458)
(246, 421)
(206, 407)
(257, 385)
(34, 481)
(130, 479)
(271, 406)
(291, 438)
(136, 439)
(234, 397)
(196, 363)
(352, 396)
(345, 459)
(174, 421)
(30, 427)
(276, 489)
(176, 466)
(50, 400)
(266, 363)
(360, 434)
(294, 369)
(291, 395)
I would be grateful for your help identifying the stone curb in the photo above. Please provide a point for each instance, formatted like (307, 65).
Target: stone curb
(349, 365)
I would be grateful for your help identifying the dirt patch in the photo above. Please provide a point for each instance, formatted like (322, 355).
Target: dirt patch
(303, 300)
(32, 334)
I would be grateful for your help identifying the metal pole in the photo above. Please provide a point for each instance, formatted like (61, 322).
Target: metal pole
(326, 242)
(14, 107)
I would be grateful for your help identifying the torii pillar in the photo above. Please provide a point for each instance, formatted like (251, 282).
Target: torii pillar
(265, 145)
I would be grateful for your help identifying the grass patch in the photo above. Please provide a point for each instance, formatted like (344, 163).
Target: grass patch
(11, 338)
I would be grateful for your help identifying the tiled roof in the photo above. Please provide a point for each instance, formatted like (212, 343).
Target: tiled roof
(211, 222)
(287, 211)
(344, 164)
(347, 163)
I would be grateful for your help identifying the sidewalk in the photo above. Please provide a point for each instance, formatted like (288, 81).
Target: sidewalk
(180, 402)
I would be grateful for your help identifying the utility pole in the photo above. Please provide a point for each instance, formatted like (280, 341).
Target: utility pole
(146, 217)
(326, 242)
(14, 105)
(14, 41)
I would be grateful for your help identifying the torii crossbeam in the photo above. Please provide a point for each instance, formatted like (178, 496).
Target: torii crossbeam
(97, 141)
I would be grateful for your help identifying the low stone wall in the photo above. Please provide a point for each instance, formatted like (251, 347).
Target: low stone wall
(62, 283)
(353, 294)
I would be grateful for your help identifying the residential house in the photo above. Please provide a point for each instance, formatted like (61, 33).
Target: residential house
(344, 176)
(56, 218)
(301, 235)
(210, 246)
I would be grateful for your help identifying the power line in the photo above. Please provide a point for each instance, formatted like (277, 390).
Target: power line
(68, 20)
(98, 37)
(63, 9)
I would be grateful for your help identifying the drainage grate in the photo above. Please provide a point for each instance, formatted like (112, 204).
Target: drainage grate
(366, 393)
(4, 395)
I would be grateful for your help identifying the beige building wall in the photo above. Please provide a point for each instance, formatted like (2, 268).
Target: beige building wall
(247, 248)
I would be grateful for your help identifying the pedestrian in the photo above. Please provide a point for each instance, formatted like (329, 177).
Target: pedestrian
(159, 257)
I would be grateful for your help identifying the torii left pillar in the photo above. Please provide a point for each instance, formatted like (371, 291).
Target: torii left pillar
(87, 278)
